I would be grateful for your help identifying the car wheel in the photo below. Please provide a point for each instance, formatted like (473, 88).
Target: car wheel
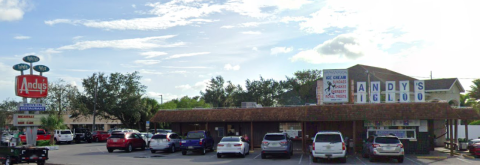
(343, 160)
(41, 162)
(371, 158)
(152, 151)
(243, 154)
(96, 140)
(129, 148)
(314, 160)
(264, 156)
(184, 152)
(219, 155)
(288, 156)
(172, 149)
(400, 159)
(89, 140)
(110, 150)
(204, 151)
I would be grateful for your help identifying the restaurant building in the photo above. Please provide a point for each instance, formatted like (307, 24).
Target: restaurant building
(418, 118)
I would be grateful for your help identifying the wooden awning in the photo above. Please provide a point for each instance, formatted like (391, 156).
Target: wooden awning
(350, 112)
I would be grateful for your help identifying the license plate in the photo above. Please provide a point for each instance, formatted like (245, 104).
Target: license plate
(184, 142)
(328, 155)
(190, 147)
(229, 145)
(114, 140)
(275, 144)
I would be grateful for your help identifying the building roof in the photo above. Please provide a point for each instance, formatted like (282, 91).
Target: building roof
(443, 84)
(351, 112)
(358, 73)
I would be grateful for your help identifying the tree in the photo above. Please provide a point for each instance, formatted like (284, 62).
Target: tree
(7, 108)
(301, 88)
(60, 97)
(151, 107)
(475, 91)
(52, 123)
(119, 96)
(215, 94)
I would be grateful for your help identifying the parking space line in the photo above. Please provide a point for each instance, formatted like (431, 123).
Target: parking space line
(310, 158)
(464, 161)
(257, 156)
(411, 160)
(300, 159)
(360, 160)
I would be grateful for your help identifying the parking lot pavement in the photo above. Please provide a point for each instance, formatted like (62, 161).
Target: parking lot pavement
(96, 153)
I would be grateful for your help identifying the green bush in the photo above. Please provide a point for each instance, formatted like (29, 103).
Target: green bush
(43, 143)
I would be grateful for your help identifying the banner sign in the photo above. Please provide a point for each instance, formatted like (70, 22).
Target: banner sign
(375, 92)
(404, 91)
(31, 86)
(31, 107)
(386, 123)
(419, 91)
(335, 86)
(28, 119)
(390, 92)
(361, 92)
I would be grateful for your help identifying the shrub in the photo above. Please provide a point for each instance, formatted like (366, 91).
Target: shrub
(43, 143)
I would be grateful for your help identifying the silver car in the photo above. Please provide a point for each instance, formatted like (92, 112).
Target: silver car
(383, 146)
(6, 138)
(277, 144)
(146, 136)
(169, 142)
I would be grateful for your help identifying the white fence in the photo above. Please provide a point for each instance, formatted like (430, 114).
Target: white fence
(473, 131)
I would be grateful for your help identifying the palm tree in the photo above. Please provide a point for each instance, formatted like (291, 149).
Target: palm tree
(51, 123)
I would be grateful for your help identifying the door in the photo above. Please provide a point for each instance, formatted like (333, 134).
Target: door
(176, 140)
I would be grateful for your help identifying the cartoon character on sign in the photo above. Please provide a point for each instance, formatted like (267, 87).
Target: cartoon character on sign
(330, 88)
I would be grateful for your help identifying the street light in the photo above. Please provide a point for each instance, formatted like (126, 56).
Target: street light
(161, 99)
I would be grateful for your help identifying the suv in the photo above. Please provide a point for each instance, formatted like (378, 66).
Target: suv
(197, 141)
(164, 141)
(82, 134)
(63, 136)
(99, 136)
(329, 145)
(383, 146)
(277, 144)
(125, 141)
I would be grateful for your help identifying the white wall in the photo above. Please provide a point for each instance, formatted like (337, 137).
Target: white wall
(473, 131)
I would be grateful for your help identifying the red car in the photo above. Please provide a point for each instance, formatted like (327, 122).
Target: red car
(98, 136)
(475, 149)
(125, 141)
(41, 135)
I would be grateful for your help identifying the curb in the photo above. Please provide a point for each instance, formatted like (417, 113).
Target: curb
(432, 157)
(468, 156)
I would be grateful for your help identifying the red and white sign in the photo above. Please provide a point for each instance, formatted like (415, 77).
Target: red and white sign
(31, 86)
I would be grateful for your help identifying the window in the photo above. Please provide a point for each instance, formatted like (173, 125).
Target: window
(65, 132)
(117, 136)
(40, 132)
(220, 132)
(400, 133)
(159, 137)
(230, 139)
(290, 126)
(331, 138)
(195, 135)
(387, 140)
(274, 137)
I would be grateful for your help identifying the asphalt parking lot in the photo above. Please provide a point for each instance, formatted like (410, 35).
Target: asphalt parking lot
(96, 153)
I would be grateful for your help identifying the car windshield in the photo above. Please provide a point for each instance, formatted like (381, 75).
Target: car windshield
(159, 137)
(274, 137)
(387, 140)
(230, 139)
(331, 138)
(195, 135)
(103, 133)
(65, 132)
(118, 136)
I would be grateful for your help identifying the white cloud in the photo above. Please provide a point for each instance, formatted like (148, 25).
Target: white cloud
(152, 54)
(186, 55)
(311, 56)
(21, 37)
(293, 19)
(136, 43)
(199, 86)
(252, 32)
(154, 72)
(12, 10)
(231, 67)
(185, 67)
(147, 62)
(134, 6)
(278, 50)
(250, 24)
(179, 71)
(164, 98)
(253, 8)
(51, 51)
(227, 27)
(255, 48)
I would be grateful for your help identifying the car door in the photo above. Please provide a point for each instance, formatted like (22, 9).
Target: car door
(368, 144)
(246, 145)
(175, 140)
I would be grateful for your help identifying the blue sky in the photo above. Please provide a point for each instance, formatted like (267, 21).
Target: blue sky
(179, 45)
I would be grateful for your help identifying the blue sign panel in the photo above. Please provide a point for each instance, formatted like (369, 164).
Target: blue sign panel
(31, 107)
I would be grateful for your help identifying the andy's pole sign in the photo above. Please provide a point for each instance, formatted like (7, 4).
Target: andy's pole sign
(335, 86)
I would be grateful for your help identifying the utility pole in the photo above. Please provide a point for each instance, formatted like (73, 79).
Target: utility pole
(161, 99)
(431, 78)
(95, 105)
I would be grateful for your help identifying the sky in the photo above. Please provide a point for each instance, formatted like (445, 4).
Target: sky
(177, 46)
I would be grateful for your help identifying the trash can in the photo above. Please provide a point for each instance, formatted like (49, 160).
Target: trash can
(462, 146)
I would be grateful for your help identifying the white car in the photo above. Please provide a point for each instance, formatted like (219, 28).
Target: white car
(168, 142)
(329, 145)
(233, 145)
(146, 136)
(63, 135)
(6, 138)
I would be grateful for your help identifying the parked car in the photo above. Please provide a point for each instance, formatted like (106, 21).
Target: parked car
(383, 146)
(82, 134)
(197, 141)
(471, 143)
(127, 141)
(160, 131)
(475, 149)
(6, 136)
(146, 136)
(169, 142)
(63, 136)
(99, 136)
(124, 130)
(329, 145)
(41, 135)
(233, 145)
(277, 144)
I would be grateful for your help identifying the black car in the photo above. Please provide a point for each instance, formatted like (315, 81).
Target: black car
(82, 134)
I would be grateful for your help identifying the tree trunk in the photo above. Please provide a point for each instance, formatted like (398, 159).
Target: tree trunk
(52, 135)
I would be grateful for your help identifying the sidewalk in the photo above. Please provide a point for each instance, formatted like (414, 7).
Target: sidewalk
(444, 152)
